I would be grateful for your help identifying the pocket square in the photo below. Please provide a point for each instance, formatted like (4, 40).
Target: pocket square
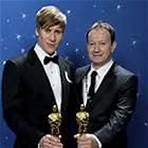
(67, 78)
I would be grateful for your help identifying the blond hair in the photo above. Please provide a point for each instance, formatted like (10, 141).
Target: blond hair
(50, 16)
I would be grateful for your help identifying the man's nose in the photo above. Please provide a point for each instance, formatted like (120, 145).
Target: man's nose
(97, 47)
(52, 36)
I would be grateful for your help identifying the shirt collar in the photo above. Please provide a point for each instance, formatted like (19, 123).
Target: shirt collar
(103, 69)
(41, 53)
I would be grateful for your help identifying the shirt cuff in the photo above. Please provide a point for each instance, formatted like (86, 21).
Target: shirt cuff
(97, 141)
(39, 146)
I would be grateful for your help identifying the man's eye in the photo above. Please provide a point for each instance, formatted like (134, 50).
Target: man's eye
(47, 30)
(102, 43)
(91, 44)
(58, 31)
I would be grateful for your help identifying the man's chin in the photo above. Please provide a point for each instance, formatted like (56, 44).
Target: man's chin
(97, 63)
(51, 51)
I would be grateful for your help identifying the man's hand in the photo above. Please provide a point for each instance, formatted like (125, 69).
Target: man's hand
(49, 141)
(86, 141)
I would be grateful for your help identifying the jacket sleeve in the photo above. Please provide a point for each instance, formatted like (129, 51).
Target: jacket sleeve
(13, 104)
(122, 112)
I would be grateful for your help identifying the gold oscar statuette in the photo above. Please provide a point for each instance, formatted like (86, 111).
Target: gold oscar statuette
(55, 119)
(82, 118)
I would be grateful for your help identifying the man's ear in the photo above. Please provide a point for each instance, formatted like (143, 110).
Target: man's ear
(114, 45)
(36, 32)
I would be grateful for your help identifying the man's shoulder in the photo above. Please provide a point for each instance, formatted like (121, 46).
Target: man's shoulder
(120, 70)
(22, 59)
(66, 61)
(81, 72)
(124, 75)
(19, 59)
(82, 69)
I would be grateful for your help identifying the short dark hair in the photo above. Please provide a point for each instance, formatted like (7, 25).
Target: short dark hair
(105, 25)
(50, 16)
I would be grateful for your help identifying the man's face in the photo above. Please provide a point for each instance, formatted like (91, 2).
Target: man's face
(50, 39)
(99, 46)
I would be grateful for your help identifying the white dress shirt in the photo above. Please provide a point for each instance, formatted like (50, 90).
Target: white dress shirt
(53, 73)
(101, 72)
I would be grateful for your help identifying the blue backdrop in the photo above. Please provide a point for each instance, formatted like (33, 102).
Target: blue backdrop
(130, 19)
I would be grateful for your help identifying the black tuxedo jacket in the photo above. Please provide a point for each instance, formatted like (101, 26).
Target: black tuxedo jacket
(28, 99)
(112, 105)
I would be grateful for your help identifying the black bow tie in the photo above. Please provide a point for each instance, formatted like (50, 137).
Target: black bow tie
(53, 59)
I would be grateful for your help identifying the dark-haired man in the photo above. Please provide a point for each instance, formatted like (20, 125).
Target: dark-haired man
(107, 90)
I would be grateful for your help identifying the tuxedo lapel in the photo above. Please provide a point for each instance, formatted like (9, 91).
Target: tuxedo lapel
(65, 84)
(108, 79)
(40, 74)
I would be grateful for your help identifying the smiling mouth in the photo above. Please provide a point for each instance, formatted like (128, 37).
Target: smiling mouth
(51, 45)
(95, 55)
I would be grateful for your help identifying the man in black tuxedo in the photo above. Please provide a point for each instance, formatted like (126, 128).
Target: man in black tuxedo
(36, 81)
(107, 90)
